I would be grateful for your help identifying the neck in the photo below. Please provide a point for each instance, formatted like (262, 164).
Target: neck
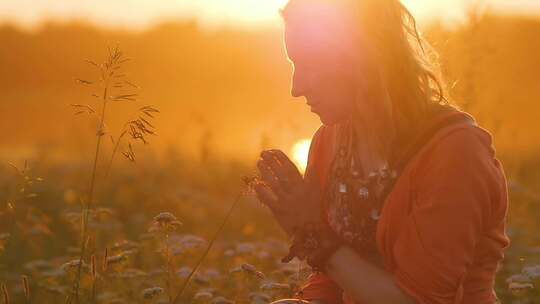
(371, 147)
(374, 135)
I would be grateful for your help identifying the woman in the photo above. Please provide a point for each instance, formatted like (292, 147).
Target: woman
(403, 200)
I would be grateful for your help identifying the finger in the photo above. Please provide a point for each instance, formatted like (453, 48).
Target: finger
(288, 179)
(287, 164)
(266, 173)
(268, 177)
(267, 197)
(276, 166)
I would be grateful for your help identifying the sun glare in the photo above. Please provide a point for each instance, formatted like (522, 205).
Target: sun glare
(300, 152)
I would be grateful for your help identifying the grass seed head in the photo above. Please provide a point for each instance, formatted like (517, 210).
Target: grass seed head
(165, 222)
(252, 270)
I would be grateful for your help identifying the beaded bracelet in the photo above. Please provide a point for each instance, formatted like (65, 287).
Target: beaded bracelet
(314, 243)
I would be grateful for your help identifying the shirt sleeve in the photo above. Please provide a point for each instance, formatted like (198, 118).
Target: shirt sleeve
(319, 286)
(454, 189)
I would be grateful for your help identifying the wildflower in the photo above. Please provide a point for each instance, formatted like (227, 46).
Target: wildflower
(258, 297)
(164, 218)
(100, 213)
(201, 279)
(183, 272)
(116, 259)
(229, 253)
(245, 248)
(276, 287)
(520, 289)
(178, 244)
(55, 289)
(125, 245)
(52, 273)
(248, 269)
(165, 222)
(221, 300)
(130, 273)
(235, 270)
(532, 272)
(203, 296)
(37, 265)
(191, 241)
(212, 273)
(518, 278)
(151, 292)
(519, 284)
(251, 270)
(72, 265)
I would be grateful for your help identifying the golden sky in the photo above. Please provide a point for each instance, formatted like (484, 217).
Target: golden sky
(143, 13)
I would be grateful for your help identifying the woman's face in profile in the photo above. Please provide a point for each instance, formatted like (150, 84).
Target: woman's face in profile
(321, 72)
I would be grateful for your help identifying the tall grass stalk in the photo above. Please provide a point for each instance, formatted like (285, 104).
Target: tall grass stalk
(86, 207)
(203, 256)
(111, 77)
(115, 150)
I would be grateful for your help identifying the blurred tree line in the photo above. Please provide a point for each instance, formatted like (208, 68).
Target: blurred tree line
(228, 91)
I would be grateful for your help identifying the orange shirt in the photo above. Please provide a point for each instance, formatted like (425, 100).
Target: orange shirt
(441, 232)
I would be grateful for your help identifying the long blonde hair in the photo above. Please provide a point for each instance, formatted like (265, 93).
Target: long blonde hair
(401, 72)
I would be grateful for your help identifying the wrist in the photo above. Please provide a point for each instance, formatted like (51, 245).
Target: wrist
(329, 243)
(315, 243)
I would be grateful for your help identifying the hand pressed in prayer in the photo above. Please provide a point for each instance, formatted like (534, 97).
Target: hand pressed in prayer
(293, 200)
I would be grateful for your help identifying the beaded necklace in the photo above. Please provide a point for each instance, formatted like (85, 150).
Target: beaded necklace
(354, 201)
(354, 198)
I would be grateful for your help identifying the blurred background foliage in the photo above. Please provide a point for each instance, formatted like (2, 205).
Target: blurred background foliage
(223, 96)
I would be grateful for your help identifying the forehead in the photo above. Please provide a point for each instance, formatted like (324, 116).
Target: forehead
(318, 29)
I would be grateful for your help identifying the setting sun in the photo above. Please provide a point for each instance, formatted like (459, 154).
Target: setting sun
(300, 152)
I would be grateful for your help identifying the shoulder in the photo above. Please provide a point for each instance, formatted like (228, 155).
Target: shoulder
(465, 141)
(465, 146)
(461, 166)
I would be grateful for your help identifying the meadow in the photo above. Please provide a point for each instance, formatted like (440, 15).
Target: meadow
(141, 191)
